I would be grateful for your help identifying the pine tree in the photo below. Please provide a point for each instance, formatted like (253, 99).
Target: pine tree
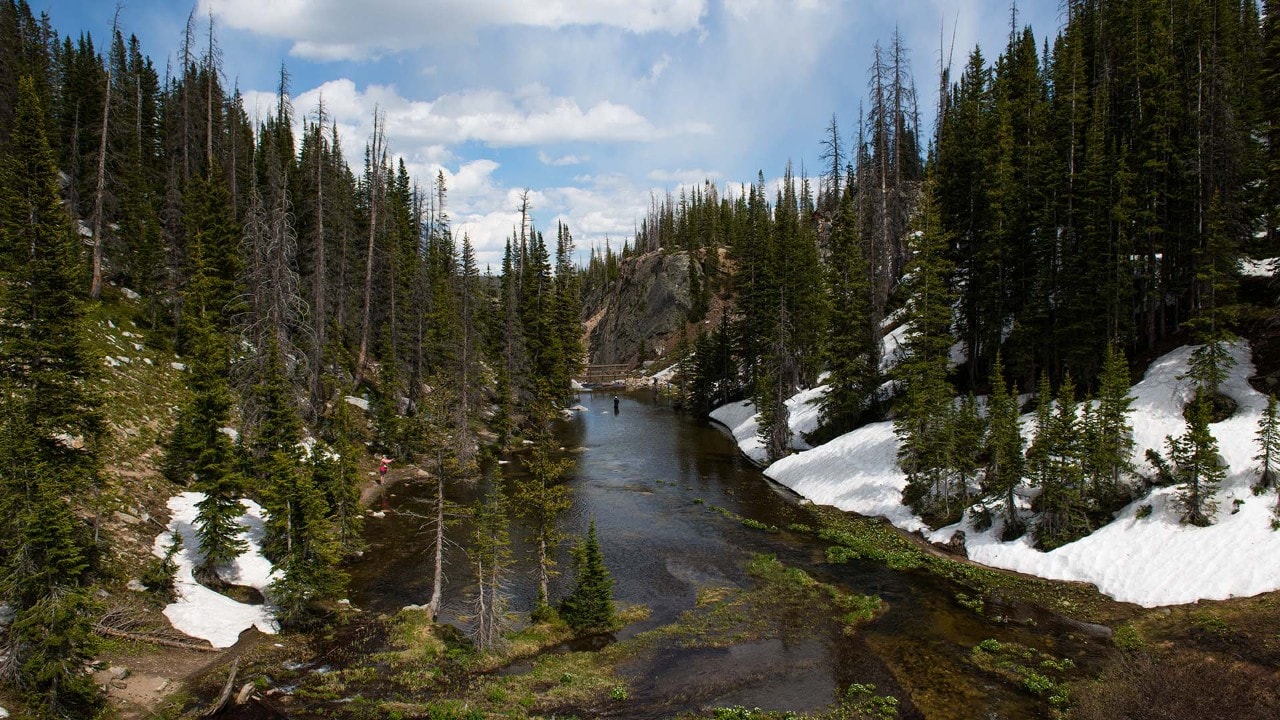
(1197, 466)
(1108, 434)
(927, 397)
(50, 428)
(305, 550)
(968, 428)
(589, 606)
(542, 497)
(853, 340)
(1268, 445)
(1061, 502)
(490, 554)
(1216, 280)
(1004, 449)
(336, 472)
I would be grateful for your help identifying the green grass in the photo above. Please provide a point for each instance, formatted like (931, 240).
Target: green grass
(855, 537)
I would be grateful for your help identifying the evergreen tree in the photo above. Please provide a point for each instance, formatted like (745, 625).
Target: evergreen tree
(50, 428)
(927, 400)
(542, 497)
(1108, 434)
(490, 554)
(1061, 503)
(1196, 465)
(336, 472)
(589, 606)
(853, 340)
(968, 428)
(1004, 449)
(1268, 445)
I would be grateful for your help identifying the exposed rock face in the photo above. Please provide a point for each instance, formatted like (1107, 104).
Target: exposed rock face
(640, 316)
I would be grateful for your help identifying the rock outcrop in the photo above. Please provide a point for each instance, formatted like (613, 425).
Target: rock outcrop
(641, 316)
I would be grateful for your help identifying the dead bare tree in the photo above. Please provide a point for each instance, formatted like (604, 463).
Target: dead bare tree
(95, 283)
(376, 158)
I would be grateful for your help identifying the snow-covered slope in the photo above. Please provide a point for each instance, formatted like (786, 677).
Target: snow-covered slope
(1151, 561)
(743, 422)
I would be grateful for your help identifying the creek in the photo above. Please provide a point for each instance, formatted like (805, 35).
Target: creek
(651, 479)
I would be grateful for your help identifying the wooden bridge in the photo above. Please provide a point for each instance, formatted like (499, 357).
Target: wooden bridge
(602, 374)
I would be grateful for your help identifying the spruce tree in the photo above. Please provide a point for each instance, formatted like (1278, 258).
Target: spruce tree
(490, 554)
(1061, 503)
(542, 497)
(335, 471)
(1004, 449)
(1197, 467)
(853, 342)
(968, 428)
(1268, 445)
(927, 400)
(1108, 434)
(50, 432)
(589, 606)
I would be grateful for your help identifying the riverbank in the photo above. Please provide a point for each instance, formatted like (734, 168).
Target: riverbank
(1144, 556)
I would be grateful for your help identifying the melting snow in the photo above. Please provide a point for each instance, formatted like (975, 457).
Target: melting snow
(199, 611)
(1151, 561)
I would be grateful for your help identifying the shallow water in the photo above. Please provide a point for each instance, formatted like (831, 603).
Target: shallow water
(648, 476)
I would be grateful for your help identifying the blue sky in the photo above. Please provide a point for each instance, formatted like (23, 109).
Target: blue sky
(593, 106)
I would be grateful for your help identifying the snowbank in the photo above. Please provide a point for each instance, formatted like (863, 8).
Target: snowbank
(742, 420)
(1152, 561)
(199, 611)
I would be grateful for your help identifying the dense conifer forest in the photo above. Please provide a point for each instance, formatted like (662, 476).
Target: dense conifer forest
(284, 278)
(1078, 207)
(1074, 208)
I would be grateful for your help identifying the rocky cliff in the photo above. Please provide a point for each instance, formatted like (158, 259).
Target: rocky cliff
(641, 315)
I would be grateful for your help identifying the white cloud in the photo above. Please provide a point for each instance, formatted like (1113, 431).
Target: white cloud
(682, 177)
(336, 30)
(563, 160)
(531, 116)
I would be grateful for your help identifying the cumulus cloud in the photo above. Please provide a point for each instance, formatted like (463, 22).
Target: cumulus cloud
(336, 30)
(532, 116)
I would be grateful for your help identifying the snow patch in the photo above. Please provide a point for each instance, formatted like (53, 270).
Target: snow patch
(199, 611)
(1265, 267)
(1152, 561)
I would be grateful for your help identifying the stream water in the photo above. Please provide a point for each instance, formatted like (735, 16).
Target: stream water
(648, 476)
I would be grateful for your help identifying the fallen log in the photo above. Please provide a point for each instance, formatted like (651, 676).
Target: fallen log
(153, 639)
(226, 691)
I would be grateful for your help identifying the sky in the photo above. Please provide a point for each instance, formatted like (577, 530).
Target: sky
(595, 107)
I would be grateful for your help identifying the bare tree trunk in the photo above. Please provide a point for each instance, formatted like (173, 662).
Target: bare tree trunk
(95, 283)
(186, 96)
(437, 573)
(211, 68)
(319, 273)
(375, 180)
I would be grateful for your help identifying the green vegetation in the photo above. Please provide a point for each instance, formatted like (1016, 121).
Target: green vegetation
(589, 606)
(1036, 672)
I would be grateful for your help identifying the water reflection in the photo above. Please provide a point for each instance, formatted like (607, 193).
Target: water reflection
(649, 476)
